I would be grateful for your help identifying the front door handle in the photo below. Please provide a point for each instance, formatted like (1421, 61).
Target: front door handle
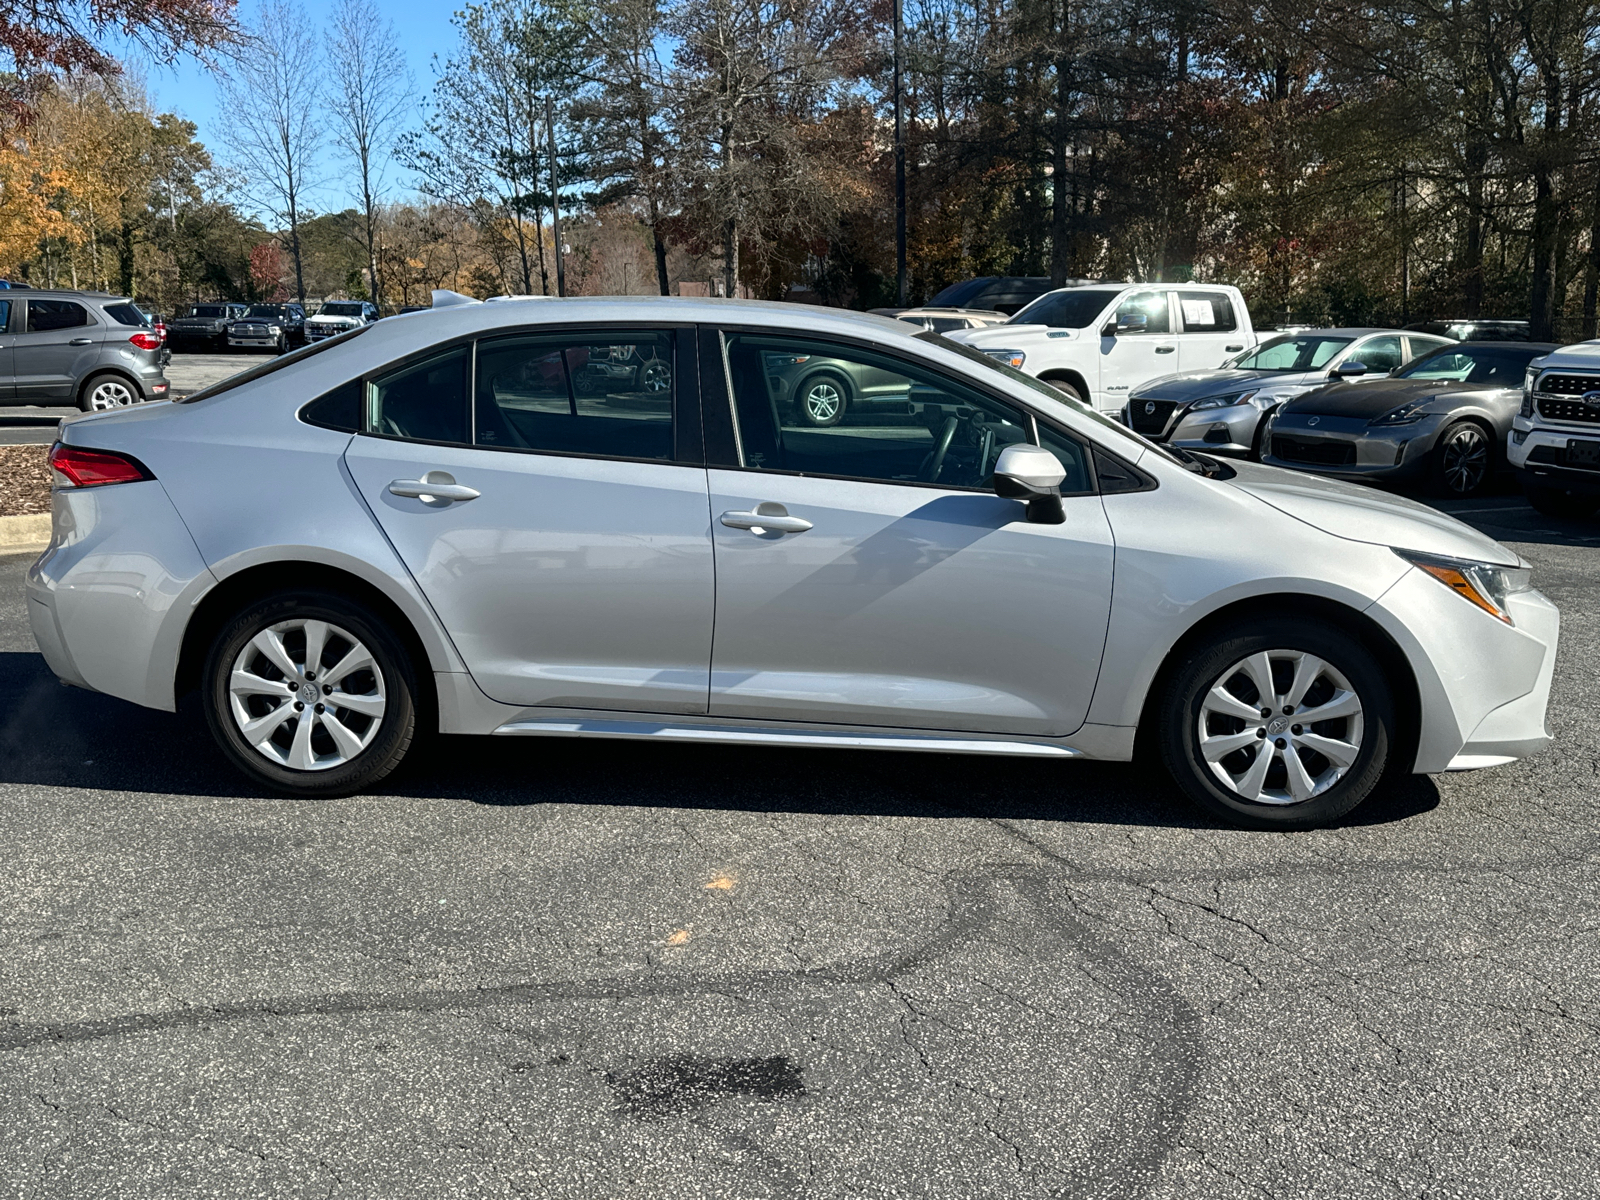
(768, 517)
(1165, 349)
(81, 342)
(1240, 346)
(436, 487)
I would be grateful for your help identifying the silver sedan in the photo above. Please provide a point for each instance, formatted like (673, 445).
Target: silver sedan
(427, 524)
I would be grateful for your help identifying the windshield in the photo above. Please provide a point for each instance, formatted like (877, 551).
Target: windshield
(265, 310)
(1296, 352)
(1044, 389)
(1071, 309)
(957, 294)
(340, 310)
(208, 310)
(1497, 367)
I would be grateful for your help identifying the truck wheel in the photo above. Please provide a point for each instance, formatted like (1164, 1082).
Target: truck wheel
(1062, 384)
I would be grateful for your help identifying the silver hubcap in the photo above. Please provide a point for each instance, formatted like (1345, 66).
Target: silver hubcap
(1280, 727)
(657, 377)
(823, 402)
(307, 695)
(110, 394)
(1466, 458)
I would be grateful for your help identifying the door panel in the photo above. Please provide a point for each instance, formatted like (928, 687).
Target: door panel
(1130, 359)
(908, 607)
(56, 349)
(576, 582)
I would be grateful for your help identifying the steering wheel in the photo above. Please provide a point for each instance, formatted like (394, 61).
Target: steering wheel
(934, 463)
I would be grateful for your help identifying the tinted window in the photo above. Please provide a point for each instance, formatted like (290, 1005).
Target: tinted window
(898, 422)
(609, 394)
(5, 315)
(424, 402)
(340, 310)
(208, 311)
(1207, 312)
(1075, 308)
(1379, 354)
(957, 294)
(45, 315)
(125, 314)
(1294, 353)
(1152, 306)
(338, 409)
(264, 310)
(1491, 368)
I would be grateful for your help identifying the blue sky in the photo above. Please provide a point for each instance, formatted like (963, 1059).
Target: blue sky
(187, 88)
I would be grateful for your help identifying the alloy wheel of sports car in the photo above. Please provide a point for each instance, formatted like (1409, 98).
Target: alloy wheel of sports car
(1462, 459)
(310, 694)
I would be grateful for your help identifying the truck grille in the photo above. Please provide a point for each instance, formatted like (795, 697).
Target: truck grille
(255, 331)
(1322, 452)
(1153, 421)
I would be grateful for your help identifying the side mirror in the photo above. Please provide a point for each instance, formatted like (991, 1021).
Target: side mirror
(1031, 474)
(1354, 369)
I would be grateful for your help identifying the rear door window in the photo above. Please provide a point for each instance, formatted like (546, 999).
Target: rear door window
(45, 316)
(424, 401)
(606, 394)
(1207, 312)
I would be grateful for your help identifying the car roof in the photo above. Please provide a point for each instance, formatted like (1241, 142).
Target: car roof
(540, 310)
(73, 294)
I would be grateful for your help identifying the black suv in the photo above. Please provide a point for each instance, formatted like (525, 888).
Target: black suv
(277, 327)
(84, 348)
(204, 326)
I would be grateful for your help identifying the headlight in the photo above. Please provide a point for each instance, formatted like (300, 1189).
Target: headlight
(1406, 414)
(1221, 401)
(1488, 585)
(1528, 381)
(1011, 358)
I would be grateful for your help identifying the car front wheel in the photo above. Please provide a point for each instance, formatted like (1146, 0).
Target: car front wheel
(311, 694)
(1279, 724)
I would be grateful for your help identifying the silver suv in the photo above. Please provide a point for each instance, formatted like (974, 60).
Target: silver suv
(85, 348)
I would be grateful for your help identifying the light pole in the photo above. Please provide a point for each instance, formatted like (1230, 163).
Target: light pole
(899, 167)
(555, 199)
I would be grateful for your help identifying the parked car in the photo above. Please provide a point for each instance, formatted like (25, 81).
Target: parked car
(339, 316)
(1224, 411)
(1001, 293)
(275, 327)
(1099, 343)
(944, 320)
(1441, 420)
(939, 580)
(157, 322)
(1554, 442)
(411, 308)
(84, 348)
(1474, 329)
(204, 326)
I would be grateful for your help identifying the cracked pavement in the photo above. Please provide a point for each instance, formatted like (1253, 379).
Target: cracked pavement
(539, 968)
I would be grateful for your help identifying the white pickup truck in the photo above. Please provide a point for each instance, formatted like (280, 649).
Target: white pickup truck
(1098, 341)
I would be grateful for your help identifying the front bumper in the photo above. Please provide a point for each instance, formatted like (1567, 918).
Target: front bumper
(1351, 448)
(1540, 457)
(318, 333)
(257, 343)
(1230, 430)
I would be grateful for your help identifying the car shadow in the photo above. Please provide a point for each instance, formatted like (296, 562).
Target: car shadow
(57, 736)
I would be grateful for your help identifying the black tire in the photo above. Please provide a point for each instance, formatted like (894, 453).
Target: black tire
(1180, 710)
(1258, 440)
(1463, 461)
(809, 402)
(1062, 384)
(395, 672)
(1562, 504)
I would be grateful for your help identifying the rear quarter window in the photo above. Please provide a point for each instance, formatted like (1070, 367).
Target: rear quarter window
(125, 314)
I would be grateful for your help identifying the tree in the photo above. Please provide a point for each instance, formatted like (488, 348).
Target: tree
(370, 89)
(271, 100)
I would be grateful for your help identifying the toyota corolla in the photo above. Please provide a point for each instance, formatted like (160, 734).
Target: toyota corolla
(428, 523)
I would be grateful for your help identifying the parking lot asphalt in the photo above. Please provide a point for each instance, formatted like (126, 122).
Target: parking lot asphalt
(30, 425)
(617, 970)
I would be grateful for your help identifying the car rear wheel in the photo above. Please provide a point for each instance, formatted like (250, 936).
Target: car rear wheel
(1278, 724)
(822, 400)
(311, 694)
(103, 392)
(1557, 502)
(1463, 460)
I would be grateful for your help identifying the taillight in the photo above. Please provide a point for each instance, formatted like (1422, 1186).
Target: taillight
(75, 467)
(146, 340)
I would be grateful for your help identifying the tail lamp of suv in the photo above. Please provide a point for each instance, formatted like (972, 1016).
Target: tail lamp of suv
(76, 467)
(148, 339)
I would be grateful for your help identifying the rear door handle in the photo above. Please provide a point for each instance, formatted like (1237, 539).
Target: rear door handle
(769, 517)
(436, 487)
(1165, 349)
(1240, 346)
(81, 342)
